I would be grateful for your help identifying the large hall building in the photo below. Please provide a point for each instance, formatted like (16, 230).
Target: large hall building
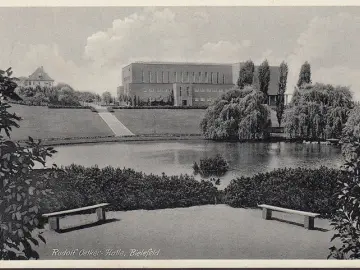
(193, 84)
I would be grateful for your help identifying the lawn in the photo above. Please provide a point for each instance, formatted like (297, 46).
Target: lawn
(43, 123)
(161, 121)
(199, 232)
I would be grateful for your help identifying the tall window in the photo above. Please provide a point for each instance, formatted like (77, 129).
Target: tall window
(180, 91)
(199, 76)
(175, 76)
(194, 77)
(168, 76)
(217, 78)
(187, 91)
(206, 77)
(142, 76)
(150, 77)
(181, 77)
(156, 78)
(211, 77)
(162, 76)
(223, 78)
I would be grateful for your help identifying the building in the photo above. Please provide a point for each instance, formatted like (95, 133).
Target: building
(192, 84)
(38, 78)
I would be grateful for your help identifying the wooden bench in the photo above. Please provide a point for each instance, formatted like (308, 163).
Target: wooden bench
(54, 217)
(308, 217)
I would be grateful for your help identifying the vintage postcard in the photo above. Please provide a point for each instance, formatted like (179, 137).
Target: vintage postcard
(179, 135)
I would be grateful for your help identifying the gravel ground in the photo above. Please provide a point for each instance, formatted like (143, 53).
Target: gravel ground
(200, 232)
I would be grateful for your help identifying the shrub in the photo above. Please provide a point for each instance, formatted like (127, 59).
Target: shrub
(299, 189)
(93, 109)
(213, 166)
(110, 109)
(124, 189)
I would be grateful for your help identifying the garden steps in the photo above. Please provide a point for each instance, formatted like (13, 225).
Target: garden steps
(118, 128)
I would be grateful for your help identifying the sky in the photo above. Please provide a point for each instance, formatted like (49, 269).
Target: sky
(86, 47)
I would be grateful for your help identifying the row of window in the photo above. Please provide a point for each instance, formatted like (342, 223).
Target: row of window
(208, 90)
(196, 90)
(203, 99)
(29, 83)
(184, 77)
(157, 90)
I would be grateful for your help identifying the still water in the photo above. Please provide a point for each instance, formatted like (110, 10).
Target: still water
(174, 158)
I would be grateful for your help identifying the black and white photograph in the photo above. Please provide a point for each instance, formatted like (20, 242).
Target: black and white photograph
(194, 132)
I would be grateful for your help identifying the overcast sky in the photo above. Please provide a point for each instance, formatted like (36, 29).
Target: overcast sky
(87, 46)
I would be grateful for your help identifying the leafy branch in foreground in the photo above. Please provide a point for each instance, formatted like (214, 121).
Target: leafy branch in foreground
(20, 223)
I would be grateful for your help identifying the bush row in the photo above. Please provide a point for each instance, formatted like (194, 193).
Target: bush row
(162, 107)
(28, 103)
(76, 186)
(300, 189)
(125, 189)
(68, 107)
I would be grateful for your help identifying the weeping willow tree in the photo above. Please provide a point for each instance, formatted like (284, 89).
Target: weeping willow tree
(238, 115)
(318, 112)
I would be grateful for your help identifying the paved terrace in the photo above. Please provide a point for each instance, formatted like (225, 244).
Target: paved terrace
(200, 232)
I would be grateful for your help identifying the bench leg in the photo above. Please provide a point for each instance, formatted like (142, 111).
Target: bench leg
(266, 213)
(309, 223)
(54, 223)
(100, 214)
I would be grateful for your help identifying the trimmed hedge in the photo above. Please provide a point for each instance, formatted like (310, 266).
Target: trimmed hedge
(68, 107)
(300, 189)
(162, 107)
(93, 109)
(125, 189)
(110, 109)
(77, 186)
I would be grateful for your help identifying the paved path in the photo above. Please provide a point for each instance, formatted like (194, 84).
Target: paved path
(114, 124)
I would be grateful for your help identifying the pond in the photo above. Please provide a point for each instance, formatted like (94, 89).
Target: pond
(177, 157)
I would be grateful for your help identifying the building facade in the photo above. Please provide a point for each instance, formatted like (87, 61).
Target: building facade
(38, 78)
(191, 84)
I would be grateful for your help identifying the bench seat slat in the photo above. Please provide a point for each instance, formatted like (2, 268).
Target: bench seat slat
(65, 212)
(280, 209)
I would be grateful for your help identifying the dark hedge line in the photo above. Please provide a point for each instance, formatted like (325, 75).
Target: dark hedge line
(125, 189)
(300, 189)
(28, 103)
(68, 107)
(77, 186)
(162, 107)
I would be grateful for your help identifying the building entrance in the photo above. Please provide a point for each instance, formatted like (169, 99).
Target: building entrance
(184, 102)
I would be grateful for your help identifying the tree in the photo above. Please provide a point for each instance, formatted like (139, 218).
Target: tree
(318, 112)
(106, 97)
(135, 104)
(246, 74)
(20, 226)
(264, 78)
(237, 115)
(304, 75)
(280, 101)
(346, 220)
(68, 97)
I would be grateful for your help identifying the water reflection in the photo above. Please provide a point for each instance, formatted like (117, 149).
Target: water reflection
(173, 158)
